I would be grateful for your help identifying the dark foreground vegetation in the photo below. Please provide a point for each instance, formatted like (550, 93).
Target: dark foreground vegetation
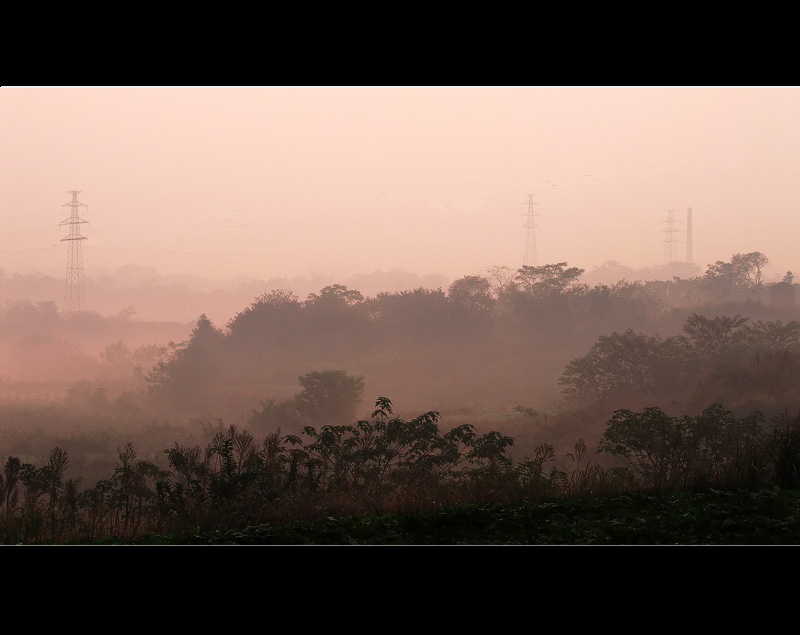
(708, 479)
(709, 518)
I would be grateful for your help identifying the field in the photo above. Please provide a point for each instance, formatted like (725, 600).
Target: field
(710, 518)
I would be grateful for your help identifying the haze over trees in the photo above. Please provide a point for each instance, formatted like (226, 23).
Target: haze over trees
(534, 335)
(533, 355)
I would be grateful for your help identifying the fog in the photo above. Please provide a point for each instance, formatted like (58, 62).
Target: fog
(239, 238)
(270, 181)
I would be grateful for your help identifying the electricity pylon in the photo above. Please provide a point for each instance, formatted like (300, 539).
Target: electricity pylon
(529, 259)
(74, 292)
(670, 240)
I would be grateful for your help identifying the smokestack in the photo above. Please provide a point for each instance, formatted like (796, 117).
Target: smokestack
(689, 235)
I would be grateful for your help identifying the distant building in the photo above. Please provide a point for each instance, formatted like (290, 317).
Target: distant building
(782, 294)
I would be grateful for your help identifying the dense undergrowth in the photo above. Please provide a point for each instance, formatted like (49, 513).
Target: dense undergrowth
(713, 479)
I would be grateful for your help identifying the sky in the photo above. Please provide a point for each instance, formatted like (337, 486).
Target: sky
(264, 181)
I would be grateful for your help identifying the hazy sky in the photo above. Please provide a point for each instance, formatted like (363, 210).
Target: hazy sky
(266, 181)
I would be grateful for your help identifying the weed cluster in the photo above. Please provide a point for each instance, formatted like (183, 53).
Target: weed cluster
(382, 465)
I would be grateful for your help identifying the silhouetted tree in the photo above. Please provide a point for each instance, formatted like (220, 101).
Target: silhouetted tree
(547, 280)
(772, 336)
(471, 301)
(335, 295)
(418, 316)
(674, 453)
(271, 319)
(192, 372)
(714, 336)
(737, 278)
(329, 396)
(335, 324)
(628, 362)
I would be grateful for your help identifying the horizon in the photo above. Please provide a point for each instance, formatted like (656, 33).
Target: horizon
(264, 182)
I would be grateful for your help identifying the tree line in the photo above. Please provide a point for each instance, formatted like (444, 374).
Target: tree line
(501, 331)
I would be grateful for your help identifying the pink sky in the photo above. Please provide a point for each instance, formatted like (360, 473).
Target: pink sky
(286, 181)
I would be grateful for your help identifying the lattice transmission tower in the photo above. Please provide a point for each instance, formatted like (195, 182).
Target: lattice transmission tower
(670, 240)
(74, 291)
(529, 259)
(689, 255)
